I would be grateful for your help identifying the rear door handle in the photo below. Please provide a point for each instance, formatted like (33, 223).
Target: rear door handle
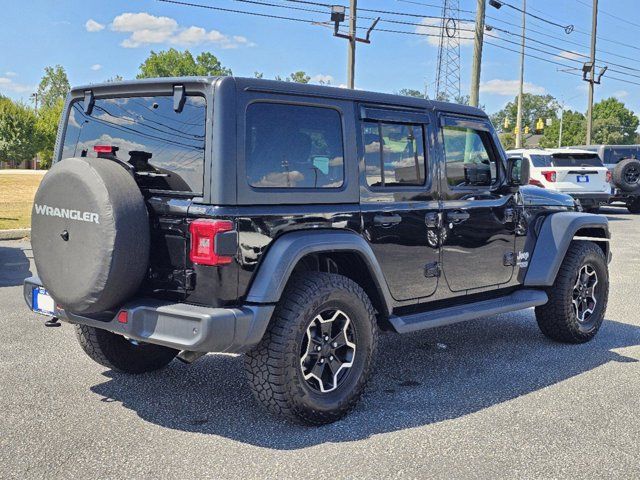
(387, 220)
(457, 216)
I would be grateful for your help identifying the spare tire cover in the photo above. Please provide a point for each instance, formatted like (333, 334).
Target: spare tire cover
(90, 234)
(626, 175)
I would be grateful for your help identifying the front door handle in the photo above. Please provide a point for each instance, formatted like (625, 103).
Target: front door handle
(457, 216)
(386, 220)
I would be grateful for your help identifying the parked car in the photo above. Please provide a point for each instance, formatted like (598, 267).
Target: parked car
(579, 173)
(292, 223)
(623, 161)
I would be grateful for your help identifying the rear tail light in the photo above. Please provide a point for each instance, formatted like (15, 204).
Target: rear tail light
(537, 183)
(608, 176)
(123, 316)
(102, 148)
(550, 175)
(203, 240)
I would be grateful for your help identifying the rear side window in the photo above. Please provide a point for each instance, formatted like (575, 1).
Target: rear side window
(393, 154)
(576, 160)
(293, 146)
(165, 148)
(541, 161)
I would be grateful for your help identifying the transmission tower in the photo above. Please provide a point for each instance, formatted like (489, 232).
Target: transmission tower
(448, 76)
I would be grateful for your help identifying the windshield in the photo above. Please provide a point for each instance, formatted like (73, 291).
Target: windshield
(165, 148)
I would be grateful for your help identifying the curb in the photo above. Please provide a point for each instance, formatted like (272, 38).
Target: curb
(16, 234)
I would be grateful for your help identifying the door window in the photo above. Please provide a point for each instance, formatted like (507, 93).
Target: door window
(393, 154)
(468, 161)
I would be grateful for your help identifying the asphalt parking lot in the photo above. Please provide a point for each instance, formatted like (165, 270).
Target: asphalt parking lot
(492, 398)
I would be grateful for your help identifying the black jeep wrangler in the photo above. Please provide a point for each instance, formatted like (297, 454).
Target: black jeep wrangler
(292, 223)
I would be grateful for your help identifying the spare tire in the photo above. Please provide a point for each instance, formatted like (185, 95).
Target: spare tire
(626, 175)
(90, 234)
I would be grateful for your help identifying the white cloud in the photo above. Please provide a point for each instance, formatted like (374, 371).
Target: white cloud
(320, 78)
(433, 26)
(571, 55)
(95, 67)
(93, 26)
(146, 29)
(9, 85)
(11, 74)
(619, 94)
(510, 87)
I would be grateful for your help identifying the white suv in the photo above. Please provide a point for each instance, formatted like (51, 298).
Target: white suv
(578, 173)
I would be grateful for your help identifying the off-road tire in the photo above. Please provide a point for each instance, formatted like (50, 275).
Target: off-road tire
(633, 205)
(557, 319)
(274, 367)
(621, 175)
(118, 353)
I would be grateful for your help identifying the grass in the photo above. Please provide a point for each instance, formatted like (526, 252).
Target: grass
(16, 199)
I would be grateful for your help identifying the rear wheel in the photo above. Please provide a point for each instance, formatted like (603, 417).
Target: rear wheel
(119, 353)
(633, 205)
(578, 297)
(316, 357)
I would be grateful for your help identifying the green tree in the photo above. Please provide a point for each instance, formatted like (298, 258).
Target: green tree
(173, 63)
(47, 129)
(534, 107)
(573, 130)
(297, 77)
(508, 140)
(19, 139)
(53, 86)
(115, 78)
(410, 92)
(613, 123)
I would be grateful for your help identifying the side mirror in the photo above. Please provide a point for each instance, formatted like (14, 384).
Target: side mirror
(517, 171)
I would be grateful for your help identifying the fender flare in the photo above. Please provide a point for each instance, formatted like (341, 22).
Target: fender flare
(285, 253)
(556, 233)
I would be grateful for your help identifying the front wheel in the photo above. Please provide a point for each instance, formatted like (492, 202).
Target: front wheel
(578, 297)
(317, 354)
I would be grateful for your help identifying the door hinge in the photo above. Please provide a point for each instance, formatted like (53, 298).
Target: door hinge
(509, 259)
(432, 270)
(509, 215)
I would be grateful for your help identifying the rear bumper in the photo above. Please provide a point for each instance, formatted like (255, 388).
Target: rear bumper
(178, 325)
(592, 199)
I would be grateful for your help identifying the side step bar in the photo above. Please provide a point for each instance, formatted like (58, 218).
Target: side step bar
(518, 300)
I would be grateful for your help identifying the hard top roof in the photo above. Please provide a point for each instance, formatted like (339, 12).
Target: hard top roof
(275, 86)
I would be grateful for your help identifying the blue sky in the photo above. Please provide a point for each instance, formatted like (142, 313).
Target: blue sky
(97, 39)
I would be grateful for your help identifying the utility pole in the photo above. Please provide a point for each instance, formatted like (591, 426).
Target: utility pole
(561, 122)
(474, 97)
(521, 91)
(592, 73)
(351, 61)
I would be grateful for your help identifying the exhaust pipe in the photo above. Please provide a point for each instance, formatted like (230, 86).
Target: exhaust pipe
(188, 357)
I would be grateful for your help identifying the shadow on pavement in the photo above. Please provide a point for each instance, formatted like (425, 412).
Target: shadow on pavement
(420, 379)
(14, 265)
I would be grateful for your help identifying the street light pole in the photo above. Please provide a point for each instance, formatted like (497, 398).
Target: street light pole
(351, 61)
(474, 97)
(592, 73)
(521, 90)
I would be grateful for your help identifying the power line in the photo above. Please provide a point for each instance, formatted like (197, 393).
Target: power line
(567, 28)
(621, 19)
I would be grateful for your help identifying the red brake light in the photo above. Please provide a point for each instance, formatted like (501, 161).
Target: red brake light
(608, 176)
(102, 148)
(203, 233)
(550, 175)
(535, 182)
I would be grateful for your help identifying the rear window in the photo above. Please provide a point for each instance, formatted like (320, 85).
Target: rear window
(165, 148)
(293, 146)
(576, 160)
